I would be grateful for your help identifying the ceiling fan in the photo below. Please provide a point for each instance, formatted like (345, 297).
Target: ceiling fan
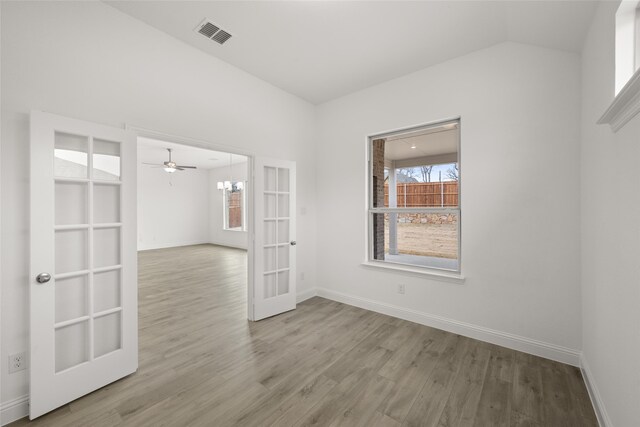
(170, 166)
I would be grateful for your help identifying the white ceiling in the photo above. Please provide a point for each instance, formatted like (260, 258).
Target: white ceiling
(321, 50)
(155, 151)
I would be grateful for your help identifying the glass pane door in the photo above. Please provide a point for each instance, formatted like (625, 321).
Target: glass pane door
(87, 249)
(275, 244)
(277, 218)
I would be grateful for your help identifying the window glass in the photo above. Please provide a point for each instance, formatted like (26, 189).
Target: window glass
(234, 206)
(414, 215)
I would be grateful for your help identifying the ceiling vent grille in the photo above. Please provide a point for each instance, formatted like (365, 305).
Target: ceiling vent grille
(221, 36)
(212, 32)
(208, 29)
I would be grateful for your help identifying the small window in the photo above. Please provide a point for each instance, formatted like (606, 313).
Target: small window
(234, 207)
(637, 30)
(414, 197)
(627, 42)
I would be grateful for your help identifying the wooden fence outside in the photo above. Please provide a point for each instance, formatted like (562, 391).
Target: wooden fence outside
(424, 194)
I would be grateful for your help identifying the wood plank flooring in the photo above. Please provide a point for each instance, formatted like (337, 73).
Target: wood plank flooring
(325, 364)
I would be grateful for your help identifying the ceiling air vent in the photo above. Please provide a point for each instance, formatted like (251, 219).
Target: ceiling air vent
(212, 31)
(221, 36)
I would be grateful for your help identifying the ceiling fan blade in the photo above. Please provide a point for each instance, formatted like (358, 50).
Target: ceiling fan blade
(179, 168)
(186, 167)
(151, 164)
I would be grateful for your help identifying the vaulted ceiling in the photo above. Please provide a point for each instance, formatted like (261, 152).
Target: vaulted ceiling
(321, 50)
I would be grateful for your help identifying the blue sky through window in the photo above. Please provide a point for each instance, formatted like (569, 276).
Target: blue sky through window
(417, 174)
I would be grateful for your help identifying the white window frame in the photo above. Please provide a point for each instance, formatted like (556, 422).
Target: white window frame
(626, 103)
(637, 31)
(627, 42)
(435, 272)
(243, 204)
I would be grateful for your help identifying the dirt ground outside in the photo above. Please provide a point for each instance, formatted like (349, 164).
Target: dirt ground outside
(436, 240)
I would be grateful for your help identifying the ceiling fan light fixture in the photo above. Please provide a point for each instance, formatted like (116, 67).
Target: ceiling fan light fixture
(170, 170)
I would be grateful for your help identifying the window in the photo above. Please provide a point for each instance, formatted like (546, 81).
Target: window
(627, 42)
(626, 103)
(234, 207)
(637, 31)
(414, 197)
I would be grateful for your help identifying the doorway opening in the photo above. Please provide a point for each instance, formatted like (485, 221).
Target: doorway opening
(193, 210)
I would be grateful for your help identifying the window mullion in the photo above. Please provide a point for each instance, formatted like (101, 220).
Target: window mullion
(415, 210)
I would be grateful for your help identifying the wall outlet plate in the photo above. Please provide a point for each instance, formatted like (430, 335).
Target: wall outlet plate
(401, 289)
(17, 362)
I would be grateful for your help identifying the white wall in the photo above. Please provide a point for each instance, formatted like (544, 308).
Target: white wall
(217, 234)
(89, 61)
(173, 209)
(520, 109)
(610, 234)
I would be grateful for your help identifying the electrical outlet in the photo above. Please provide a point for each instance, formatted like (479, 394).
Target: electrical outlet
(401, 289)
(17, 362)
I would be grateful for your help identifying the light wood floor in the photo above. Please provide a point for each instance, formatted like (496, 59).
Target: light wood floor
(326, 363)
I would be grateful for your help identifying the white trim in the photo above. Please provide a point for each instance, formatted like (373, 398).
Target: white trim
(594, 394)
(370, 209)
(305, 295)
(207, 145)
(413, 128)
(436, 210)
(433, 273)
(538, 348)
(625, 40)
(13, 410)
(624, 106)
(243, 211)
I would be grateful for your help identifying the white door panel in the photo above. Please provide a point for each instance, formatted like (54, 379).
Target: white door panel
(83, 321)
(274, 247)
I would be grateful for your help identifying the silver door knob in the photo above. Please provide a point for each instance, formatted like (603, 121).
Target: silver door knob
(293, 243)
(43, 277)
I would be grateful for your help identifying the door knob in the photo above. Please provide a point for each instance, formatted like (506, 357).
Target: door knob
(43, 277)
(293, 243)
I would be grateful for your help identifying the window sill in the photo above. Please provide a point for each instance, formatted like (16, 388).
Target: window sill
(625, 105)
(235, 229)
(435, 274)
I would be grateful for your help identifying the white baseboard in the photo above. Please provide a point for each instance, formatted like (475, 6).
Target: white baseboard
(305, 295)
(13, 410)
(594, 394)
(538, 348)
(147, 247)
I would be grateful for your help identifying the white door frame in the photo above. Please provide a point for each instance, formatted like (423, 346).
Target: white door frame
(147, 133)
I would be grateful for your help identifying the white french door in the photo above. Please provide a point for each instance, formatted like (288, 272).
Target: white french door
(83, 283)
(274, 284)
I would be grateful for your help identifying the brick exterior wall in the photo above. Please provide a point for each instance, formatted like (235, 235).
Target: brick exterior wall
(377, 169)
